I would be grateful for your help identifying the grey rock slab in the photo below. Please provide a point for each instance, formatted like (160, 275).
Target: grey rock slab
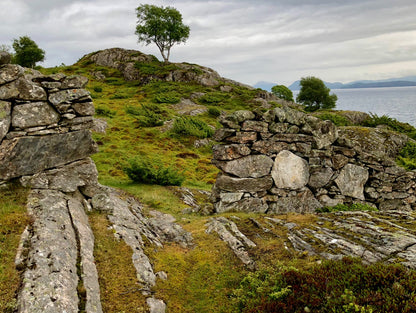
(62, 99)
(84, 108)
(99, 126)
(5, 118)
(10, 72)
(219, 225)
(156, 305)
(319, 177)
(302, 202)
(351, 181)
(66, 178)
(234, 184)
(86, 253)
(30, 155)
(243, 205)
(290, 171)
(50, 279)
(74, 82)
(164, 225)
(22, 89)
(34, 114)
(230, 152)
(254, 166)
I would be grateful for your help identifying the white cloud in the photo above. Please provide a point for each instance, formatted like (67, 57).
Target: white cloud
(249, 41)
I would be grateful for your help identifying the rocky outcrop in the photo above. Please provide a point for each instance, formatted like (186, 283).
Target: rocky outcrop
(284, 160)
(126, 62)
(45, 144)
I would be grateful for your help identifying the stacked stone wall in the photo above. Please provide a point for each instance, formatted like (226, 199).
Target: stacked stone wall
(44, 121)
(284, 160)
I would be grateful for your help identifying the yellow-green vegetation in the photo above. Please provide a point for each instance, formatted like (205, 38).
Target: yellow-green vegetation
(120, 291)
(13, 220)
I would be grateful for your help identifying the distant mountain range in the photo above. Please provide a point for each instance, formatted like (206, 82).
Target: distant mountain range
(391, 82)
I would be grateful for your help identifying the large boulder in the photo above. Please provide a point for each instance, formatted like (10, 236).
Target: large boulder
(351, 181)
(29, 155)
(290, 171)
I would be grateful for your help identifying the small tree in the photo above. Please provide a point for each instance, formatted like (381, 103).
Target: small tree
(315, 95)
(282, 92)
(27, 52)
(161, 25)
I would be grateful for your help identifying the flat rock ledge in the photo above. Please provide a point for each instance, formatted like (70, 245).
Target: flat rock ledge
(55, 254)
(388, 236)
(235, 239)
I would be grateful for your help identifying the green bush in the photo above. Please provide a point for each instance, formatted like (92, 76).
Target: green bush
(407, 156)
(98, 89)
(214, 98)
(155, 68)
(191, 126)
(150, 171)
(334, 286)
(105, 112)
(337, 119)
(147, 115)
(214, 112)
(392, 123)
(345, 207)
(167, 97)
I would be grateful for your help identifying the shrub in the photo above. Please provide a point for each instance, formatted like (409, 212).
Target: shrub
(98, 89)
(392, 123)
(282, 92)
(337, 119)
(214, 112)
(214, 97)
(407, 156)
(345, 207)
(147, 115)
(149, 171)
(167, 97)
(191, 126)
(105, 112)
(346, 285)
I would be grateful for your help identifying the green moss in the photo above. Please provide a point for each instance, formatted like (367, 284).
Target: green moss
(13, 220)
(345, 207)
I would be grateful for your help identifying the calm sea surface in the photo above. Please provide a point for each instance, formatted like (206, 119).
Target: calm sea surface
(396, 102)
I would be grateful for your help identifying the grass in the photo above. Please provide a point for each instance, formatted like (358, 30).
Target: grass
(120, 291)
(13, 220)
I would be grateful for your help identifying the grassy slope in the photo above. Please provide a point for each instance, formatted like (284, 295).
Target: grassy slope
(201, 279)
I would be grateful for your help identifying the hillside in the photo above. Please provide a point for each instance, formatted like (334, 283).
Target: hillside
(227, 262)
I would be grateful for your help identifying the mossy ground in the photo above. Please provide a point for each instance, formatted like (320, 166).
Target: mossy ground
(13, 220)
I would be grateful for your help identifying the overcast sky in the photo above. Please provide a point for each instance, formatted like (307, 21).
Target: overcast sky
(249, 41)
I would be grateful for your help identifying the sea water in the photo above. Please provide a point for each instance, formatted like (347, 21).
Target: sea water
(395, 102)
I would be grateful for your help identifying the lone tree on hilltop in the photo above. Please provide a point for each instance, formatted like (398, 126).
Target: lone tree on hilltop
(315, 95)
(161, 25)
(27, 52)
(282, 92)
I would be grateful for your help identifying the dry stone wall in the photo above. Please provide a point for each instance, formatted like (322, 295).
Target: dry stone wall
(284, 160)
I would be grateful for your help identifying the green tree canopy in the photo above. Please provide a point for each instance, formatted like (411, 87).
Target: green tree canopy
(162, 26)
(27, 52)
(282, 92)
(315, 95)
